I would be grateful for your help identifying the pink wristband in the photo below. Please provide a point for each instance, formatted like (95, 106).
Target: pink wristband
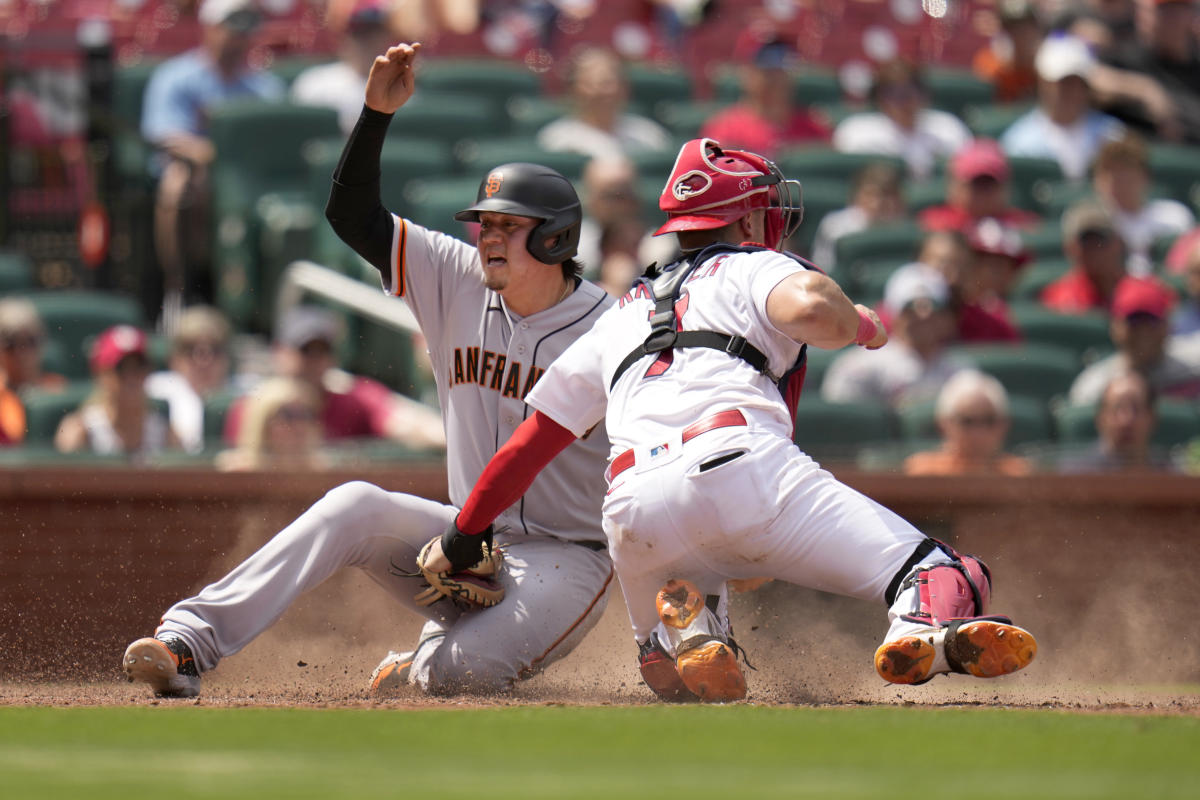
(866, 328)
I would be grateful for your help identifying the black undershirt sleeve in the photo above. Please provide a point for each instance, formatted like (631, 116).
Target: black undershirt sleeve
(355, 210)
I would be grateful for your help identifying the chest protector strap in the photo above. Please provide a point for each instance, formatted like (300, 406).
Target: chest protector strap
(664, 325)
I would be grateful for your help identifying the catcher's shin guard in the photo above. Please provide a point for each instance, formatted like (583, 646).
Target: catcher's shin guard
(705, 660)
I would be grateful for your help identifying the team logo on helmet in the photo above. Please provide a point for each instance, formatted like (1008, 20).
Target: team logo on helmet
(493, 183)
(690, 184)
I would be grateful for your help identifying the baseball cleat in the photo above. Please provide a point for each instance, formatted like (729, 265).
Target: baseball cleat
(166, 664)
(678, 602)
(988, 648)
(392, 673)
(711, 672)
(985, 648)
(907, 659)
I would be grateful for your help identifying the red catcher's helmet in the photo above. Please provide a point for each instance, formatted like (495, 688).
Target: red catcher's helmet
(711, 187)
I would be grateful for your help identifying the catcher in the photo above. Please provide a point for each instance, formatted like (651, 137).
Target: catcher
(695, 373)
(494, 316)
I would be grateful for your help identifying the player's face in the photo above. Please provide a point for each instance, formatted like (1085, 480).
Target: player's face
(506, 260)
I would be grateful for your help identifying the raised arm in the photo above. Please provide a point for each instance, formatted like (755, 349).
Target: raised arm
(355, 210)
(810, 307)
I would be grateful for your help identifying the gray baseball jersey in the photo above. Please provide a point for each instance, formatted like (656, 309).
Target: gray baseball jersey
(485, 360)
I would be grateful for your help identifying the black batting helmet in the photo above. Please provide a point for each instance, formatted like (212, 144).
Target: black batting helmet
(531, 190)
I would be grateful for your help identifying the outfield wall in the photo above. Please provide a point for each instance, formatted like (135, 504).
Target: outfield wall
(1106, 569)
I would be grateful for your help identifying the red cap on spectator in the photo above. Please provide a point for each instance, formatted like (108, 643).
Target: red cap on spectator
(116, 343)
(978, 158)
(1142, 296)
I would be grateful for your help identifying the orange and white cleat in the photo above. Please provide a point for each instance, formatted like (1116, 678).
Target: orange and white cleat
(985, 647)
(705, 660)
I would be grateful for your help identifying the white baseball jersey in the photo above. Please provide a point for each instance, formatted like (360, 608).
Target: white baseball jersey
(736, 501)
(485, 361)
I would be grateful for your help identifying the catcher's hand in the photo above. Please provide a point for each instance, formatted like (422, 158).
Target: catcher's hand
(476, 585)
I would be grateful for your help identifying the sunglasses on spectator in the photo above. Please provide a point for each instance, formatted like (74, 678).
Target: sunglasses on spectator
(18, 341)
(980, 421)
(294, 414)
(203, 350)
(1095, 237)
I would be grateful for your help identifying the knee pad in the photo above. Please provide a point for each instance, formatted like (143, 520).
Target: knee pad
(960, 589)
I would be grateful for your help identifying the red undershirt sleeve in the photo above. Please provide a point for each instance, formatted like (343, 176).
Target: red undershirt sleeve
(534, 443)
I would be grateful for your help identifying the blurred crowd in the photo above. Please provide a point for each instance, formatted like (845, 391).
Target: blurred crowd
(1023, 220)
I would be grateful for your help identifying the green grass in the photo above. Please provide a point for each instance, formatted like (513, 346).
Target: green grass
(189, 751)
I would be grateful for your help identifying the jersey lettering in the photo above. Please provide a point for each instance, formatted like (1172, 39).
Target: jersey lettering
(639, 292)
(709, 270)
(493, 370)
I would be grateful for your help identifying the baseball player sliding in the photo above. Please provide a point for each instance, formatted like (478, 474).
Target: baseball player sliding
(705, 483)
(495, 316)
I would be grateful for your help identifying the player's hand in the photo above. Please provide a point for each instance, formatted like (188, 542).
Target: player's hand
(435, 560)
(392, 79)
(881, 337)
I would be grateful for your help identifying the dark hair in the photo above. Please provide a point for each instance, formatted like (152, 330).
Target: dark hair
(886, 177)
(897, 72)
(1127, 149)
(571, 269)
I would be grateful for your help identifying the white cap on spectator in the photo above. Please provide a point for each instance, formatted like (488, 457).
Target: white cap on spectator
(912, 283)
(239, 14)
(1063, 56)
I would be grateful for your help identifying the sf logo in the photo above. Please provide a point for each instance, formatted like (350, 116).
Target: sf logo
(493, 184)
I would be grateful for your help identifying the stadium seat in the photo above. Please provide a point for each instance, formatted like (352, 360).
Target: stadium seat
(1178, 422)
(45, 409)
(475, 156)
(1041, 371)
(806, 163)
(650, 85)
(1044, 242)
(956, 89)
(433, 202)
(528, 115)
(1030, 421)
(836, 431)
(818, 361)
(820, 197)
(216, 409)
(919, 195)
(1177, 168)
(1033, 180)
(685, 119)
(1086, 334)
(16, 271)
(990, 121)
(288, 69)
(492, 82)
(880, 248)
(259, 149)
(1036, 277)
(73, 316)
(811, 85)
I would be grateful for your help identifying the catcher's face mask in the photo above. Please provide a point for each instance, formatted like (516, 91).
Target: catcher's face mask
(710, 187)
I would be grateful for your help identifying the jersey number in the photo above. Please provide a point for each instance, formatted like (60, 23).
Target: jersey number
(666, 357)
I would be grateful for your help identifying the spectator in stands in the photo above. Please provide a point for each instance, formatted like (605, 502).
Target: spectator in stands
(1007, 62)
(599, 125)
(1186, 319)
(1121, 179)
(282, 429)
(352, 406)
(181, 93)
(967, 265)
(364, 33)
(903, 124)
(972, 417)
(766, 117)
(612, 216)
(1094, 247)
(1180, 254)
(876, 199)
(117, 418)
(1164, 52)
(22, 344)
(198, 369)
(1125, 420)
(978, 188)
(917, 363)
(1139, 327)
(1064, 126)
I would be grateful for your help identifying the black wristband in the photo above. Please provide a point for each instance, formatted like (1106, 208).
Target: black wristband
(464, 550)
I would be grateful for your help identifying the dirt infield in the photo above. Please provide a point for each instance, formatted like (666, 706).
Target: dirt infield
(807, 648)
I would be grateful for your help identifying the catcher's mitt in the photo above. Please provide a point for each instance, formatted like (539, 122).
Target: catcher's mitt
(476, 585)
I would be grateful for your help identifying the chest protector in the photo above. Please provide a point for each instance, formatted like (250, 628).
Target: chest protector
(666, 333)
